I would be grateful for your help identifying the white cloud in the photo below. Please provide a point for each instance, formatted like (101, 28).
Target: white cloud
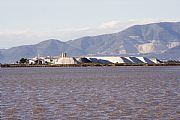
(118, 24)
(109, 24)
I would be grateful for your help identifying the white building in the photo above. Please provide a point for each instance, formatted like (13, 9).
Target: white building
(31, 61)
(37, 60)
(50, 60)
(66, 60)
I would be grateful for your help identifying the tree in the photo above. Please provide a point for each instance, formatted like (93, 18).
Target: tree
(23, 60)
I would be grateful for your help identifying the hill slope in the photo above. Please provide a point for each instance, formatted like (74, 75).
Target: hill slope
(150, 38)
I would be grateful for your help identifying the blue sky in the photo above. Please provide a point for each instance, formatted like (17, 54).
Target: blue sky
(31, 21)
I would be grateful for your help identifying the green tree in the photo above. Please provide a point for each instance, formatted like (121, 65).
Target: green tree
(23, 61)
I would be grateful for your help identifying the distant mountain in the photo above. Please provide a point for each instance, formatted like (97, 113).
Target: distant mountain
(138, 39)
(161, 40)
(55, 47)
(46, 48)
(170, 54)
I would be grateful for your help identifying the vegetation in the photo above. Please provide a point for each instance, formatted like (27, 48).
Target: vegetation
(23, 61)
(85, 65)
(172, 62)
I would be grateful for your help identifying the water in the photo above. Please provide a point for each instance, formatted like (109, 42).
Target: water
(90, 93)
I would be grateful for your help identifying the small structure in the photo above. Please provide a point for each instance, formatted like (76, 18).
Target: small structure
(64, 55)
(66, 60)
(40, 61)
(31, 61)
(50, 60)
(37, 60)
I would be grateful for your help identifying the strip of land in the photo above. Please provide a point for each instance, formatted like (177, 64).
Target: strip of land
(83, 65)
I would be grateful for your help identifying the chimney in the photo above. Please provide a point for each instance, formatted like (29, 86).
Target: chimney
(64, 55)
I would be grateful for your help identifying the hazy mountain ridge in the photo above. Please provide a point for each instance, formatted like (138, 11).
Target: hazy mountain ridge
(136, 39)
(160, 40)
(46, 48)
(172, 53)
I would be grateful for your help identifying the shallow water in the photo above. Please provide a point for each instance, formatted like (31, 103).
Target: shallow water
(90, 93)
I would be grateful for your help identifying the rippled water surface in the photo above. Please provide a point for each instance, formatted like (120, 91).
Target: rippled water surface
(90, 93)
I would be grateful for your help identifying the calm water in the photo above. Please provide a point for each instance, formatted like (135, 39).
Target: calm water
(90, 93)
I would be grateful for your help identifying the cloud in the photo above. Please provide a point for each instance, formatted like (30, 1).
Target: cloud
(116, 23)
(16, 38)
(109, 24)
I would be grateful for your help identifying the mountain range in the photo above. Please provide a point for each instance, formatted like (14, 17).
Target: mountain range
(160, 40)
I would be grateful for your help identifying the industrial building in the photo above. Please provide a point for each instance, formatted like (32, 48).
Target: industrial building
(64, 59)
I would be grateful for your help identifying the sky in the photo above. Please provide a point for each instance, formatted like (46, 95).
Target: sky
(26, 22)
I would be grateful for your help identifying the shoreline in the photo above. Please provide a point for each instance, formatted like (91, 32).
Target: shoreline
(83, 65)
